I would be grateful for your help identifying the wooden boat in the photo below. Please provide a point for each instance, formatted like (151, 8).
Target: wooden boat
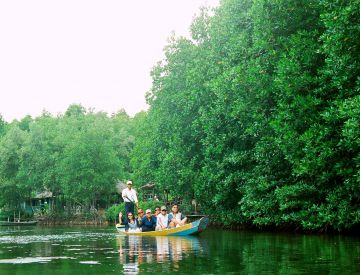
(8, 223)
(192, 228)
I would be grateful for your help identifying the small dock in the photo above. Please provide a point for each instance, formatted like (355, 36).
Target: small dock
(194, 217)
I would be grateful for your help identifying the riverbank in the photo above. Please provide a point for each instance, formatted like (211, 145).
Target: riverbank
(109, 217)
(285, 228)
(63, 218)
(74, 222)
(230, 227)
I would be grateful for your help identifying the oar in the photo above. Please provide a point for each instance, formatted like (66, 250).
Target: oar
(137, 208)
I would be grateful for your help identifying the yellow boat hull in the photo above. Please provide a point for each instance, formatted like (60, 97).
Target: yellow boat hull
(188, 229)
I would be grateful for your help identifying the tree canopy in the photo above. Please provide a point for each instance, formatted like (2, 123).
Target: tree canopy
(79, 156)
(257, 115)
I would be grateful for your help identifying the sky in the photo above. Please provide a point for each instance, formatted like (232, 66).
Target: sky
(95, 53)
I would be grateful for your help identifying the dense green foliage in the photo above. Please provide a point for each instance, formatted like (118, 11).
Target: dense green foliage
(79, 157)
(258, 115)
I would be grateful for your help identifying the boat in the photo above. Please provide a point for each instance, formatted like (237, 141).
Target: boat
(8, 223)
(192, 228)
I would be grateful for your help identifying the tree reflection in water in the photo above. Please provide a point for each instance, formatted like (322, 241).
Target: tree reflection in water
(137, 250)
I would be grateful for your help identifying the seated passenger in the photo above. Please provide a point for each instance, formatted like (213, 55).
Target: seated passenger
(121, 220)
(140, 216)
(176, 218)
(157, 212)
(162, 220)
(148, 222)
(131, 224)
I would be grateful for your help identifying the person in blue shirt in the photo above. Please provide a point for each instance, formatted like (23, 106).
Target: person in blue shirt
(131, 224)
(148, 222)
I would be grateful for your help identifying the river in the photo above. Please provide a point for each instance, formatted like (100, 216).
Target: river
(100, 250)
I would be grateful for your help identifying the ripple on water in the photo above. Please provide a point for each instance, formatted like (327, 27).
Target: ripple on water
(29, 260)
(81, 253)
(112, 252)
(104, 248)
(89, 262)
(25, 239)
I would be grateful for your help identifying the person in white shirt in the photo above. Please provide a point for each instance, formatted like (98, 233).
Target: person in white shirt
(130, 198)
(162, 220)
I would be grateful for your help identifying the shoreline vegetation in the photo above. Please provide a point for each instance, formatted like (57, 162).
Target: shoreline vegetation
(254, 120)
(103, 221)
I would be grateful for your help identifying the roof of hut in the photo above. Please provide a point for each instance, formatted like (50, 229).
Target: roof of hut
(149, 185)
(43, 195)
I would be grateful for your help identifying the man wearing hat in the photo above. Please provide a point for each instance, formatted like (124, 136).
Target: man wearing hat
(130, 198)
(148, 222)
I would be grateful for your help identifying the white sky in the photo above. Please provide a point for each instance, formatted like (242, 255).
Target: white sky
(95, 53)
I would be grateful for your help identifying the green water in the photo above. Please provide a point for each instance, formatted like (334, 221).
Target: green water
(100, 250)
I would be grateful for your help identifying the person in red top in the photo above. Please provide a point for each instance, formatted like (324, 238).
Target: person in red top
(140, 216)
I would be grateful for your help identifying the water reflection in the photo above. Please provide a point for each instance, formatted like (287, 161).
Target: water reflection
(100, 250)
(135, 251)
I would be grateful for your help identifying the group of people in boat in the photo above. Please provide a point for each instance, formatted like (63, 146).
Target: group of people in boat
(157, 221)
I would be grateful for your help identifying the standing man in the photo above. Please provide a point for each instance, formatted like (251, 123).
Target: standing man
(130, 198)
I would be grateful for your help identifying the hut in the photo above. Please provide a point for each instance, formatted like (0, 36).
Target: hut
(148, 191)
(42, 201)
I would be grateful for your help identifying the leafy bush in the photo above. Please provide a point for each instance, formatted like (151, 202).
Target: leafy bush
(112, 212)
